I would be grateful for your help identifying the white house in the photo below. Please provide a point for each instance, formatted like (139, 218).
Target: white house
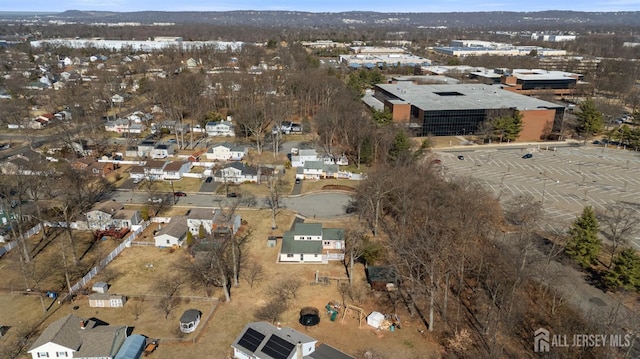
(120, 125)
(172, 234)
(227, 152)
(317, 170)
(310, 243)
(261, 340)
(222, 128)
(162, 150)
(200, 217)
(176, 169)
(236, 172)
(74, 337)
(154, 170)
(117, 99)
(101, 215)
(145, 148)
(298, 159)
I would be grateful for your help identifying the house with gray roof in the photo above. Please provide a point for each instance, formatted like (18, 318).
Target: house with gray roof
(227, 152)
(261, 340)
(173, 233)
(310, 243)
(236, 172)
(74, 337)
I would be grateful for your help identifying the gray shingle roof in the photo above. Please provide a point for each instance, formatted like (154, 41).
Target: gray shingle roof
(64, 332)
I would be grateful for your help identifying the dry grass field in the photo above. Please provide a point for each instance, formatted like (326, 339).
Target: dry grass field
(135, 272)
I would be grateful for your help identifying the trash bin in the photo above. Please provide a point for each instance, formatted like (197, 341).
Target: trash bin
(334, 314)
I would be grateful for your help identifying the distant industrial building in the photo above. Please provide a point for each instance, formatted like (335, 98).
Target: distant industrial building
(458, 110)
(530, 81)
(463, 48)
(552, 37)
(159, 43)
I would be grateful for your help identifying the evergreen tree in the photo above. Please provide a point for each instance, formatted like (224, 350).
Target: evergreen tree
(507, 128)
(590, 120)
(201, 232)
(626, 271)
(189, 238)
(401, 147)
(584, 244)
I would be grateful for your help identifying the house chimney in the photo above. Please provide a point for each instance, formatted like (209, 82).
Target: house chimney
(299, 350)
(278, 326)
(81, 324)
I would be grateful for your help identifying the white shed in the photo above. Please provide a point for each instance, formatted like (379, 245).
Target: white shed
(375, 319)
(100, 287)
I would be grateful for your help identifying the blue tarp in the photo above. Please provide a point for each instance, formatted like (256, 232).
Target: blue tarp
(132, 347)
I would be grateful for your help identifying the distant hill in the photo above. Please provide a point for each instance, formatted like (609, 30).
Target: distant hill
(355, 18)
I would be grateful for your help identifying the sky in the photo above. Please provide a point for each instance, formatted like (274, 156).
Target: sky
(320, 6)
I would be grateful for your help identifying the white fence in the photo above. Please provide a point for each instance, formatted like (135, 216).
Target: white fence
(103, 263)
(11, 245)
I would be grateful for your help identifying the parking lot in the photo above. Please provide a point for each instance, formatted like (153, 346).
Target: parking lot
(564, 180)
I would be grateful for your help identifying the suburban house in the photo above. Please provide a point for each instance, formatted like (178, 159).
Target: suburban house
(176, 169)
(189, 320)
(200, 217)
(310, 243)
(261, 340)
(93, 166)
(221, 128)
(101, 215)
(119, 125)
(162, 150)
(117, 99)
(317, 170)
(137, 128)
(299, 157)
(173, 233)
(106, 300)
(236, 172)
(154, 170)
(74, 337)
(145, 148)
(126, 218)
(227, 152)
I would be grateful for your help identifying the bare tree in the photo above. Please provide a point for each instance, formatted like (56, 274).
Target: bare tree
(619, 223)
(169, 288)
(253, 273)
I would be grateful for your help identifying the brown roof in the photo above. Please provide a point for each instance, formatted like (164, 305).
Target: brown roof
(154, 164)
(174, 166)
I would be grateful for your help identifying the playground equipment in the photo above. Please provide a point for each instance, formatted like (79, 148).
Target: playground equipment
(357, 310)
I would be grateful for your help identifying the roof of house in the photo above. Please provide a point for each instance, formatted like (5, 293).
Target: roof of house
(326, 351)
(174, 165)
(64, 332)
(108, 206)
(333, 234)
(155, 164)
(101, 341)
(314, 165)
(125, 214)
(382, 274)
(268, 342)
(131, 347)
(190, 315)
(246, 170)
(308, 229)
(201, 213)
(291, 246)
(104, 296)
(176, 228)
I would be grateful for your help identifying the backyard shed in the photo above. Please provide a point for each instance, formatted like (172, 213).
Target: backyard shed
(271, 241)
(189, 320)
(100, 300)
(382, 278)
(375, 319)
(100, 287)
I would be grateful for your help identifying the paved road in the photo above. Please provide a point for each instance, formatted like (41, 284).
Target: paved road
(320, 204)
(564, 180)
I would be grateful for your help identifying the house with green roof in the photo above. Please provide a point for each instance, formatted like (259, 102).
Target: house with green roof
(310, 243)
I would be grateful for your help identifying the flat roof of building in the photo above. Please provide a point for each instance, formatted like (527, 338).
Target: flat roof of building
(462, 97)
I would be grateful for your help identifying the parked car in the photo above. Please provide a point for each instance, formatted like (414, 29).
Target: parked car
(209, 179)
(179, 194)
(233, 195)
(155, 200)
(461, 157)
(137, 180)
(298, 180)
(528, 155)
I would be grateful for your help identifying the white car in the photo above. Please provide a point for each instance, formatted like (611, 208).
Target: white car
(155, 200)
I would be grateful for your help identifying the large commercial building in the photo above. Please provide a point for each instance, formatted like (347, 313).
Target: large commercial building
(530, 81)
(463, 48)
(159, 43)
(458, 110)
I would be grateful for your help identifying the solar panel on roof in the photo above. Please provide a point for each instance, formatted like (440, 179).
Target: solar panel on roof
(278, 348)
(251, 340)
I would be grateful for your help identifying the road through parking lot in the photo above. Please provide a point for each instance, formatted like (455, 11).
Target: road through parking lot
(563, 179)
